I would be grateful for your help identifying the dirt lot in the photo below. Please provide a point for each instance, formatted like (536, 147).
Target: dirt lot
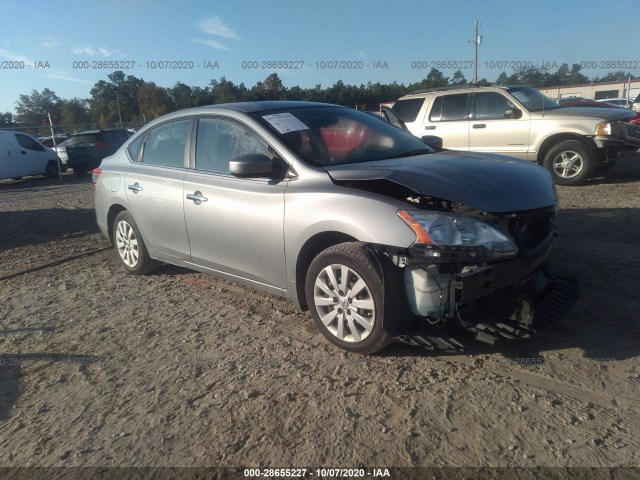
(98, 368)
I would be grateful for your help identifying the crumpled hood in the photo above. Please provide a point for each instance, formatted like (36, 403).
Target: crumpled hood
(486, 182)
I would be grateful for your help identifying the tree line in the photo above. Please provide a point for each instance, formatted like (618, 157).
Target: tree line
(132, 101)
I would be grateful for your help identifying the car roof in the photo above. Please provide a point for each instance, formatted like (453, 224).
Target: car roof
(252, 107)
(460, 88)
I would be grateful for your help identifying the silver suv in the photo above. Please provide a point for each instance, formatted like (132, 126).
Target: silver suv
(377, 234)
(572, 143)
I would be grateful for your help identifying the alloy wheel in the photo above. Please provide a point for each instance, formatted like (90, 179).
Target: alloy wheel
(344, 303)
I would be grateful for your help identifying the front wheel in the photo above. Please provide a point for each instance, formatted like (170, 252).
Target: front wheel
(345, 293)
(570, 162)
(132, 251)
(52, 169)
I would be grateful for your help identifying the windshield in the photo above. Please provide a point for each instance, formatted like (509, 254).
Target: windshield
(532, 99)
(336, 135)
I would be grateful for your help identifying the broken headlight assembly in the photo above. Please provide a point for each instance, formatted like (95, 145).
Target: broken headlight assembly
(446, 237)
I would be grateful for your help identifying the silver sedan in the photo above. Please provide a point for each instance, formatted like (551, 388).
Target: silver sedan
(375, 232)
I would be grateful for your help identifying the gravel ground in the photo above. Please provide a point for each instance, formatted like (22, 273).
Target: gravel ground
(98, 368)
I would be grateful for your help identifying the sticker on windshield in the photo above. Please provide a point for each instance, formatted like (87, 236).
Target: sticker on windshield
(521, 96)
(285, 122)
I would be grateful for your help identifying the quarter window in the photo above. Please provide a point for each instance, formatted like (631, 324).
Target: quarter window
(220, 140)
(450, 107)
(135, 147)
(166, 144)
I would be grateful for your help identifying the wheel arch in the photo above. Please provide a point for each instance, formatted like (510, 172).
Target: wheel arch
(310, 250)
(114, 210)
(549, 142)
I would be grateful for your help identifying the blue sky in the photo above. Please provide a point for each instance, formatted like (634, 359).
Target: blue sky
(364, 32)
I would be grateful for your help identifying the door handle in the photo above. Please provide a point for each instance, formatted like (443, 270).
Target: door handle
(197, 197)
(479, 125)
(430, 127)
(135, 187)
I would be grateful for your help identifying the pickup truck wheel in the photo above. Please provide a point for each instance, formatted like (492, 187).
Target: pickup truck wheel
(570, 163)
(52, 169)
(132, 251)
(345, 293)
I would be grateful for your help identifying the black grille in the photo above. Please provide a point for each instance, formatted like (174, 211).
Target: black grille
(633, 130)
(529, 229)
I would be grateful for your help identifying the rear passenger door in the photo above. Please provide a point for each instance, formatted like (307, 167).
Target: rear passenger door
(153, 186)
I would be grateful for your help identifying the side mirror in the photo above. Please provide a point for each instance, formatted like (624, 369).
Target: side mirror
(512, 113)
(252, 165)
(433, 141)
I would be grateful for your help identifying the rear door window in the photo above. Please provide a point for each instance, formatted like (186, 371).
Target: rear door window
(116, 136)
(165, 144)
(450, 108)
(85, 138)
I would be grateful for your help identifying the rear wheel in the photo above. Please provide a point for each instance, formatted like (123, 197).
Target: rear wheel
(132, 251)
(52, 169)
(345, 293)
(80, 171)
(570, 162)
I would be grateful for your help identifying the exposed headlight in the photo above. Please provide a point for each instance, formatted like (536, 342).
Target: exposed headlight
(456, 237)
(604, 128)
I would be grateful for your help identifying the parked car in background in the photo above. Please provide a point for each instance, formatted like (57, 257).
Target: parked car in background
(597, 104)
(566, 100)
(86, 150)
(635, 106)
(572, 143)
(49, 141)
(22, 156)
(622, 102)
(61, 151)
(377, 234)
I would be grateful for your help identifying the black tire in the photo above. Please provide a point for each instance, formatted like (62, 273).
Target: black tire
(130, 247)
(570, 162)
(64, 168)
(80, 171)
(52, 169)
(359, 326)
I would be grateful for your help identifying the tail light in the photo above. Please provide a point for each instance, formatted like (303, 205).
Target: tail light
(95, 174)
(101, 144)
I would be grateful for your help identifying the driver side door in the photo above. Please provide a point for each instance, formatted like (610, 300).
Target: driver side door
(235, 225)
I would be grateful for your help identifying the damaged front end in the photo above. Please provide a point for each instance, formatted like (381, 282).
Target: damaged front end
(484, 227)
(479, 275)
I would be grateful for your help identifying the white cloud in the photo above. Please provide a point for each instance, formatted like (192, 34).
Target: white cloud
(47, 42)
(211, 43)
(213, 25)
(102, 51)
